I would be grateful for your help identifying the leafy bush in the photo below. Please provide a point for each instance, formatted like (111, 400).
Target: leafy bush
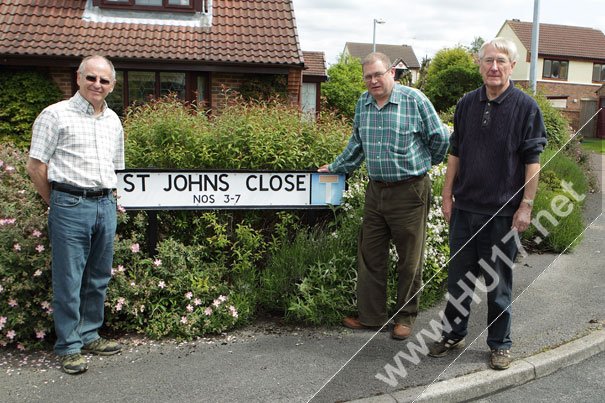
(451, 74)
(557, 127)
(557, 224)
(25, 275)
(324, 269)
(344, 87)
(23, 95)
(246, 135)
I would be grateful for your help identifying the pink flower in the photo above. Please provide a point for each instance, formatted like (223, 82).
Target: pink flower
(197, 302)
(37, 273)
(222, 298)
(135, 248)
(12, 302)
(45, 305)
(1, 288)
(9, 168)
(189, 295)
(233, 311)
(162, 284)
(40, 334)
(216, 303)
(11, 334)
(189, 308)
(20, 347)
(183, 320)
(36, 233)
(157, 263)
(7, 221)
(2, 321)
(40, 248)
(16, 247)
(208, 311)
(121, 208)
(120, 303)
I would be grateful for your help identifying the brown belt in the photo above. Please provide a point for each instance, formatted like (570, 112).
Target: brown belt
(397, 183)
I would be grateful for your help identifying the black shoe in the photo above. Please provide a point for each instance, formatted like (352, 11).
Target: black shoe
(442, 347)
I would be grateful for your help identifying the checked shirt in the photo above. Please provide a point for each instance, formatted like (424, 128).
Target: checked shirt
(79, 148)
(402, 139)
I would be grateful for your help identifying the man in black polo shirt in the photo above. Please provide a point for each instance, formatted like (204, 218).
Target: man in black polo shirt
(490, 185)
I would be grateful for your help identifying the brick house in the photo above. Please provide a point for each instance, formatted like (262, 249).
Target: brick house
(194, 48)
(402, 57)
(570, 70)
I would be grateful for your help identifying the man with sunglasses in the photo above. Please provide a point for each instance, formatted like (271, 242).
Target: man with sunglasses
(399, 135)
(77, 145)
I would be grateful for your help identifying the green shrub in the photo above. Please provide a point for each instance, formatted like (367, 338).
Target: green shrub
(557, 127)
(23, 95)
(325, 276)
(25, 275)
(559, 228)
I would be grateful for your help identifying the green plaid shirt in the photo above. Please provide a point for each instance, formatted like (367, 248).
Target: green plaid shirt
(402, 139)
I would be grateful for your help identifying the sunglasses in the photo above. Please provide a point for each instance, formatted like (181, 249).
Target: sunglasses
(93, 79)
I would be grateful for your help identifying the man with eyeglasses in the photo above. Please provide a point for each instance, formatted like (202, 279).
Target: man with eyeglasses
(77, 145)
(490, 184)
(397, 132)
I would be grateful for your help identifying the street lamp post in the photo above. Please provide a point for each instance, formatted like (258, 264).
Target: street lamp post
(374, 36)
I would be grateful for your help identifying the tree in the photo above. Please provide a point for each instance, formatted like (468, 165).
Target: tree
(424, 66)
(344, 86)
(476, 45)
(451, 74)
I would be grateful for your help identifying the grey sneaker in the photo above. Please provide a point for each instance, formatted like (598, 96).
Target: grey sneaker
(440, 348)
(500, 359)
(102, 346)
(73, 363)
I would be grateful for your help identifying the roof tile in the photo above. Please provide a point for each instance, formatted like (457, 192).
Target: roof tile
(562, 40)
(243, 31)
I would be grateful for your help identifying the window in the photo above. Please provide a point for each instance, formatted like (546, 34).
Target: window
(555, 69)
(598, 72)
(138, 87)
(155, 5)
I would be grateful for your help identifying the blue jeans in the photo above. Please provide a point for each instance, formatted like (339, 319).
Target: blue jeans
(82, 232)
(464, 268)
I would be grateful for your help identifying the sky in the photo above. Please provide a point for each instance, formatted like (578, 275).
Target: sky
(427, 25)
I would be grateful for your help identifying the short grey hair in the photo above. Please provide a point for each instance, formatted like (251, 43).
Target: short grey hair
(503, 45)
(88, 58)
(377, 56)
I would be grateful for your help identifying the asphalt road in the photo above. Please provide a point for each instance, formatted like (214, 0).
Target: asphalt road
(583, 382)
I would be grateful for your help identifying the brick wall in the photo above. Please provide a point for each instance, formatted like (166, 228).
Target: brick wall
(573, 92)
(222, 85)
(62, 77)
(294, 86)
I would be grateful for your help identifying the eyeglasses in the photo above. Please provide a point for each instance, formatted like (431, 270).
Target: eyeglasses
(488, 61)
(93, 79)
(375, 76)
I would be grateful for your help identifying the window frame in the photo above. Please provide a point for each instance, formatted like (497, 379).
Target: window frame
(550, 77)
(192, 91)
(194, 6)
(602, 72)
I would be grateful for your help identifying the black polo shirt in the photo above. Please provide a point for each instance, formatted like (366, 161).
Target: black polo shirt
(494, 140)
